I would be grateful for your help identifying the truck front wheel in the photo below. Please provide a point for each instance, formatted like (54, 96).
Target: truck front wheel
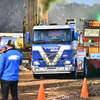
(85, 68)
(85, 71)
(74, 74)
(36, 76)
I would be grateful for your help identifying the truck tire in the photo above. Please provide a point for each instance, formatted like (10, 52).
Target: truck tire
(36, 76)
(85, 72)
(74, 74)
(85, 68)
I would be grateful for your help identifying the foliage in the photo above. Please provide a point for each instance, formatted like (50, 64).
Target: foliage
(61, 11)
(12, 14)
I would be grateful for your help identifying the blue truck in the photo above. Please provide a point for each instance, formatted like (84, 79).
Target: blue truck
(49, 49)
(54, 49)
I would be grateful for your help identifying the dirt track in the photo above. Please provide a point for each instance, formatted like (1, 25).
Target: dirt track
(60, 89)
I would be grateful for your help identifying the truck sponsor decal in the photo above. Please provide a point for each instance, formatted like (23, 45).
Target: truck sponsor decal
(62, 48)
(93, 50)
(91, 44)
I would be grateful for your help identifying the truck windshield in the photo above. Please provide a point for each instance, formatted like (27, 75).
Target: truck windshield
(51, 36)
(91, 32)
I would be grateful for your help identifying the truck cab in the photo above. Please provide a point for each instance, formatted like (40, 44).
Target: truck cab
(54, 48)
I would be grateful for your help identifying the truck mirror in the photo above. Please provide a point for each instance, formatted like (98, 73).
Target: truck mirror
(76, 35)
(73, 37)
(27, 37)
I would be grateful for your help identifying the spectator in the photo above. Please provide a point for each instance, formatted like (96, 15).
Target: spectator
(3, 48)
(9, 71)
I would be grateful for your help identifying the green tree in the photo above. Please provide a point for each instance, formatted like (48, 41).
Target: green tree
(16, 19)
(9, 9)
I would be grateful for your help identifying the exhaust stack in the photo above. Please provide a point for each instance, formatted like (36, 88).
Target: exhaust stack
(45, 19)
(44, 23)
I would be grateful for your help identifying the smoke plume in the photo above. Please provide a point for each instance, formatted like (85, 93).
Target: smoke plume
(46, 4)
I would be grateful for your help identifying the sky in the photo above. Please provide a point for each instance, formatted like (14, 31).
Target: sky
(88, 2)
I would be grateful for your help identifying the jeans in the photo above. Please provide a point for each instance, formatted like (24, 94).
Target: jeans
(5, 85)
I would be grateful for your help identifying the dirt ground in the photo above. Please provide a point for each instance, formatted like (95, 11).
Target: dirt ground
(56, 88)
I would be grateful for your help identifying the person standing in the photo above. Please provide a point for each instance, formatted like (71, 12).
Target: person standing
(9, 71)
(3, 48)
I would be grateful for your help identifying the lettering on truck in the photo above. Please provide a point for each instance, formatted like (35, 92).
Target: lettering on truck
(92, 44)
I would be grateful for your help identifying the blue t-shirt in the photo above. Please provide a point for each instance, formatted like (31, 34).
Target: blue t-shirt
(9, 65)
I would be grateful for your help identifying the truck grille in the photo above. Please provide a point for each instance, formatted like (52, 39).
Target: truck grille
(51, 56)
(51, 59)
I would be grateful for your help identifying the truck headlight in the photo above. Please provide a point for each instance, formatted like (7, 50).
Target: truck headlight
(53, 63)
(57, 56)
(50, 63)
(36, 63)
(67, 62)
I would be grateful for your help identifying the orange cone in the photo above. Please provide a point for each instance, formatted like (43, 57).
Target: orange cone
(41, 94)
(84, 89)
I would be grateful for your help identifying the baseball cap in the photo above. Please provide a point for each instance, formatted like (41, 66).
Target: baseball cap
(11, 43)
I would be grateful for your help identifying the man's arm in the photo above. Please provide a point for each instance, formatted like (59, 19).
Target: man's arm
(21, 59)
(2, 60)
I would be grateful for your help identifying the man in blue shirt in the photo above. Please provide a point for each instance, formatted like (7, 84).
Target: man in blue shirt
(9, 71)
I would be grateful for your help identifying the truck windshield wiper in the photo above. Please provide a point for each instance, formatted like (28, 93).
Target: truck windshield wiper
(40, 42)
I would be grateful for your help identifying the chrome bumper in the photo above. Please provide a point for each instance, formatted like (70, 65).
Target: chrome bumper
(52, 70)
